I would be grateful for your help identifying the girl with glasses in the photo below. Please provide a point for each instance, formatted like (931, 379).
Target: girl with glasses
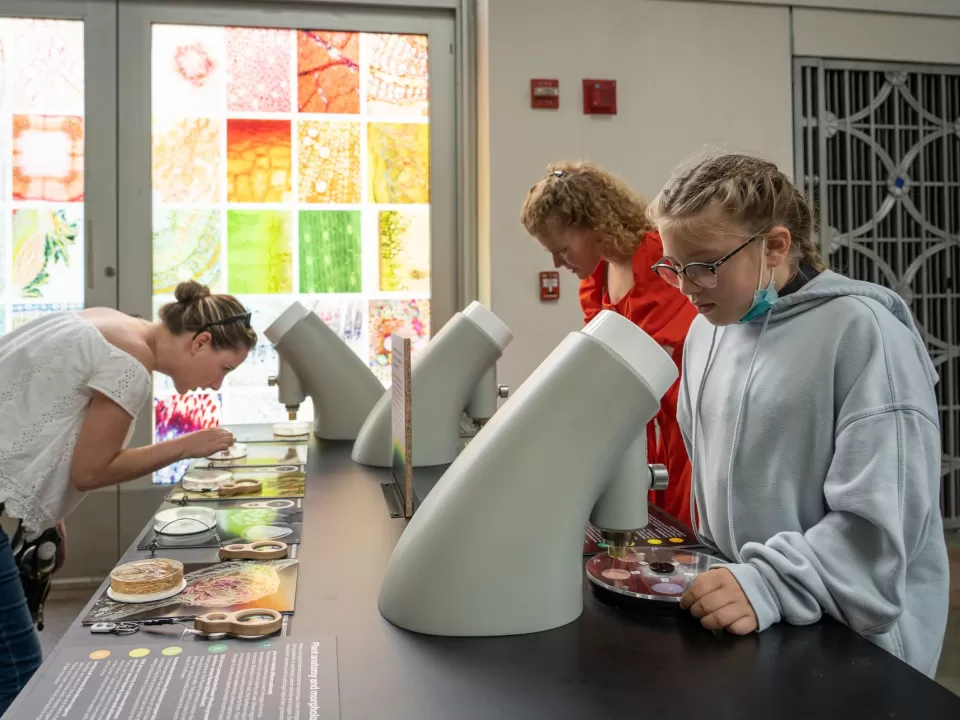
(71, 387)
(807, 404)
(595, 226)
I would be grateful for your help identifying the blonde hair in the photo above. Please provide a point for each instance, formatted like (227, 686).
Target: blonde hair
(747, 191)
(197, 310)
(583, 196)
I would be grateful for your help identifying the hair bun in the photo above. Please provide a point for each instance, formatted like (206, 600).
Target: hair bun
(189, 291)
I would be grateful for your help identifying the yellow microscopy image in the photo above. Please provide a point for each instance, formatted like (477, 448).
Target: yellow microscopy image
(399, 82)
(328, 161)
(399, 162)
(187, 162)
(404, 248)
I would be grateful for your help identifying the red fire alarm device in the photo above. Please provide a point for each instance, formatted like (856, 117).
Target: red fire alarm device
(600, 97)
(549, 285)
(545, 94)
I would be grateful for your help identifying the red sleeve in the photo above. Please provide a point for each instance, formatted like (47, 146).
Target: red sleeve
(659, 309)
(591, 294)
(664, 313)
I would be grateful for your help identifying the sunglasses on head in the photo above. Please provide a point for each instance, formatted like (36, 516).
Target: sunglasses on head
(242, 317)
(700, 273)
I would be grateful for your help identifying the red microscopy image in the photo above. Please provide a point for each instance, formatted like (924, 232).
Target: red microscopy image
(194, 64)
(258, 161)
(259, 61)
(328, 72)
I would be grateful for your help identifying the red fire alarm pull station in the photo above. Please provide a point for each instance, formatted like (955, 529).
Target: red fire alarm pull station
(545, 94)
(549, 285)
(600, 97)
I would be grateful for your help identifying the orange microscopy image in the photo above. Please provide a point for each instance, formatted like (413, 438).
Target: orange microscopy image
(399, 77)
(328, 72)
(258, 161)
(48, 158)
(187, 163)
(329, 161)
(259, 69)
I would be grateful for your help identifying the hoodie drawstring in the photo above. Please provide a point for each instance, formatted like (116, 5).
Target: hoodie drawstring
(736, 439)
(693, 454)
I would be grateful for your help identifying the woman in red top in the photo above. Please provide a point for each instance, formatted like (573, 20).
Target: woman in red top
(595, 226)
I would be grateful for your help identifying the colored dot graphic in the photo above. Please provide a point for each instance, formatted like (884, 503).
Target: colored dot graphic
(654, 541)
(171, 651)
(100, 655)
(217, 648)
(675, 540)
(139, 652)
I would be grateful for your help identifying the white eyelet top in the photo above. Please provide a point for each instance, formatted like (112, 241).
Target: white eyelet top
(49, 369)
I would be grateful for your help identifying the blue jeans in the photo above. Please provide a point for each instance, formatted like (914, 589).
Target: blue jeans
(20, 653)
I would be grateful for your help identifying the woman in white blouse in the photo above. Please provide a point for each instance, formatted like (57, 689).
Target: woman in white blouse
(71, 385)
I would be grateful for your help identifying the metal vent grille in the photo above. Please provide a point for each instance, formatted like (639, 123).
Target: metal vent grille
(878, 154)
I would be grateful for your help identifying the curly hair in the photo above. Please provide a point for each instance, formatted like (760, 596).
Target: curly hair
(583, 196)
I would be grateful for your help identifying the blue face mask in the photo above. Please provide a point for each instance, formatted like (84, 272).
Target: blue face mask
(764, 298)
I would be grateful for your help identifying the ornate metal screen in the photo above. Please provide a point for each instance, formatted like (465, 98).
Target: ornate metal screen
(878, 154)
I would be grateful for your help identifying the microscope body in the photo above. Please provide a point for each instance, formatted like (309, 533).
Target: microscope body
(497, 547)
(314, 361)
(455, 371)
(290, 390)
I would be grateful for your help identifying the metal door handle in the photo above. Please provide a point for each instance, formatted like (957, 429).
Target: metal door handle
(88, 240)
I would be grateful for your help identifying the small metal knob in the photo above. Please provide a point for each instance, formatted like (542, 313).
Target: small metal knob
(503, 391)
(272, 381)
(659, 479)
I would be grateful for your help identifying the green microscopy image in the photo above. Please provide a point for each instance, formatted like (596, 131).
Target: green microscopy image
(259, 255)
(330, 251)
(239, 521)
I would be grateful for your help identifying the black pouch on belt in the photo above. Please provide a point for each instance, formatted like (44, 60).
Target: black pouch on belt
(36, 557)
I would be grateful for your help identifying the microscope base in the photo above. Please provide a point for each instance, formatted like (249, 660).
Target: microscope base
(650, 575)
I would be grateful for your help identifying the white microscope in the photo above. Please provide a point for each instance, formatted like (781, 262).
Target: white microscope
(455, 372)
(497, 547)
(314, 361)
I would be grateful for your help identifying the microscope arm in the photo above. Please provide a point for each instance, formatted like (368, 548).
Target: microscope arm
(622, 507)
(485, 396)
(290, 390)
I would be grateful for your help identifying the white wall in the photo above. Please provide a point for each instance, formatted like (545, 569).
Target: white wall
(688, 74)
(946, 8)
(866, 36)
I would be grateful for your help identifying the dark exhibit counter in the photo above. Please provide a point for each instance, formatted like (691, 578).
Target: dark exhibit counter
(611, 663)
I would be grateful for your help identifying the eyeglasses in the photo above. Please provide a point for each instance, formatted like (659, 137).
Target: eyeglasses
(242, 317)
(699, 273)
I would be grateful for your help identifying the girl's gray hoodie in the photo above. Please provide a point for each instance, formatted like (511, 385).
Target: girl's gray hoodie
(814, 435)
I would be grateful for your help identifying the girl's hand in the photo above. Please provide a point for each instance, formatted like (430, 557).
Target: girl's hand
(718, 600)
(204, 443)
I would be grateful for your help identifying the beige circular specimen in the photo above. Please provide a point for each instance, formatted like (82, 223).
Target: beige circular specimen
(291, 429)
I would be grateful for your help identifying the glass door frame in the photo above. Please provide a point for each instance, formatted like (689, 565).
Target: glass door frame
(135, 20)
(99, 19)
(93, 527)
